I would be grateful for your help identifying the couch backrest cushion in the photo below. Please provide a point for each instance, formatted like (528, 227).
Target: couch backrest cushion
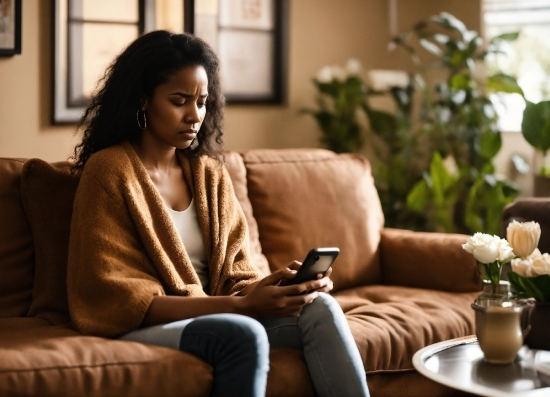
(306, 198)
(16, 246)
(47, 193)
(237, 171)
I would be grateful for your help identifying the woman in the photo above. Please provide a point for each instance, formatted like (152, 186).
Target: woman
(159, 245)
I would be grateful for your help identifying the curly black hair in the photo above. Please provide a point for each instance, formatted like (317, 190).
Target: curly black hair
(134, 74)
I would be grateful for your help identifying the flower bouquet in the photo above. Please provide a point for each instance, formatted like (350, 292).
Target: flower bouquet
(491, 253)
(530, 274)
(530, 278)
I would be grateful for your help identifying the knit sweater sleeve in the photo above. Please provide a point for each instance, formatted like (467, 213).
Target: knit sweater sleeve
(232, 247)
(110, 279)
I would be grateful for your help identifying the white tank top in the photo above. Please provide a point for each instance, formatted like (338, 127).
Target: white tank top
(187, 225)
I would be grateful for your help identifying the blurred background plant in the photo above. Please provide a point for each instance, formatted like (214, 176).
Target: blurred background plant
(535, 127)
(460, 122)
(433, 166)
(341, 94)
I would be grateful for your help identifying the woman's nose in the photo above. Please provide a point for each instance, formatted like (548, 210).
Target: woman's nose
(192, 116)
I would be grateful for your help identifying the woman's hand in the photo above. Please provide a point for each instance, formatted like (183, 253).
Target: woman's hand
(269, 298)
(323, 282)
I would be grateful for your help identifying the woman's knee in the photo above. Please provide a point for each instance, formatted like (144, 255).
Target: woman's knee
(322, 307)
(232, 329)
(325, 302)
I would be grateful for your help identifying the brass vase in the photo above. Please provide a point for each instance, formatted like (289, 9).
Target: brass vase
(500, 330)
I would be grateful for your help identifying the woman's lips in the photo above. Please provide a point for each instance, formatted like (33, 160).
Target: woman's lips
(189, 134)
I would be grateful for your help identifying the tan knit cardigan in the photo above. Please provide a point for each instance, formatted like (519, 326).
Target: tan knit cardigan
(124, 248)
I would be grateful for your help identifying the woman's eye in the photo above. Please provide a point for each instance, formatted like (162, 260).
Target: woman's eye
(179, 103)
(201, 105)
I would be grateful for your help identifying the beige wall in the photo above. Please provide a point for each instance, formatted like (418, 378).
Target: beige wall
(321, 32)
(25, 93)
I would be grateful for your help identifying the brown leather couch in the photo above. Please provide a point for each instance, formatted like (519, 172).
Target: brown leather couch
(400, 290)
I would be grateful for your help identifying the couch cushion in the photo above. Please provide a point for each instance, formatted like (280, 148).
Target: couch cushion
(237, 171)
(47, 193)
(391, 323)
(16, 246)
(43, 360)
(306, 198)
(428, 260)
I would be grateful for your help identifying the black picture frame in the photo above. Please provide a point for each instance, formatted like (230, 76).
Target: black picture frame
(11, 23)
(276, 91)
(68, 100)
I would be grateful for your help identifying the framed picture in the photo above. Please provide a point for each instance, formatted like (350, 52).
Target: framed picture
(89, 34)
(10, 27)
(250, 39)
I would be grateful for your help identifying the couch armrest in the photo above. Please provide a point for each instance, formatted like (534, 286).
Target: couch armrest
(427, 260)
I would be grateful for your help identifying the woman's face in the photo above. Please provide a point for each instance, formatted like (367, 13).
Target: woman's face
(176, 109)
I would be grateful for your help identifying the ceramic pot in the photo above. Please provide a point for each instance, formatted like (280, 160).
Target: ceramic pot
(500, 322)
(499, 330)
(538, 336)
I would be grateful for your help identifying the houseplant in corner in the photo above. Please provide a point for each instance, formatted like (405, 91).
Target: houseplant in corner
(530, 278)
(459, 121)
(341, 95)
(535, 128)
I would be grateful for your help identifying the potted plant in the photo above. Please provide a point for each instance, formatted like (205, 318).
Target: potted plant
(535, 128)
(459, 124)
(341, 94)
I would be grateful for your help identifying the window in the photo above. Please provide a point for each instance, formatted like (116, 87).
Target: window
(527, 58)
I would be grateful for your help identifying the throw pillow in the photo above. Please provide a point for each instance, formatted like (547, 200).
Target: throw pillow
(307, 198)
(47, 193)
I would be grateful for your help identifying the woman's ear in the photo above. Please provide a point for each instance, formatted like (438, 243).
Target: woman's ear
(143, 100)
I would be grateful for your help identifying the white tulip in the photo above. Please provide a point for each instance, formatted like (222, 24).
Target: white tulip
(523, 237)
(541, 265)
(523, 266)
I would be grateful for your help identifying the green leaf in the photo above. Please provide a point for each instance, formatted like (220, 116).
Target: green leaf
(449, 21)
(381, 122)
(490, 143)
(473, 45)
(441, 38)
(511, 36)
(534, 125)
(533, 287)
(431, 47)
(460, 81)
(501, 82)
(418, 197)
(543, 108)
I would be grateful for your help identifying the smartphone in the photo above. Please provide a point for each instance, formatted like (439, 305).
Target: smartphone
(318, 260)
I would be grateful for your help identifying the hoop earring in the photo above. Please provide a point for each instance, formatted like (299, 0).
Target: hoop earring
(144, 120)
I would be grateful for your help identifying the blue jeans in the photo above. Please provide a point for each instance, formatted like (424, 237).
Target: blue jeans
(237, 347)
